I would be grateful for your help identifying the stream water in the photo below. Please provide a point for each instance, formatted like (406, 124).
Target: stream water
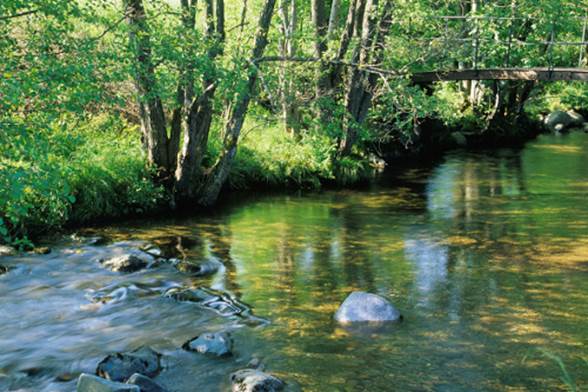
(485, 254)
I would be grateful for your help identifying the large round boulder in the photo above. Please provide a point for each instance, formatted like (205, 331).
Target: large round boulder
(251, 380)
(121, 366)
(560, 121)
(366, 307)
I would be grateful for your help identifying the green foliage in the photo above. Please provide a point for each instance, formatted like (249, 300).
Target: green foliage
(65, 173)
(559, 96)
(268, 157)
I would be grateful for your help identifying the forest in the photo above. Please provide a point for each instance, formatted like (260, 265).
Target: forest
(124, 108)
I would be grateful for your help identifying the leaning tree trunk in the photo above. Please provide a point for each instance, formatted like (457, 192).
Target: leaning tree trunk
(362, 83)
(218, 174)
(151, 112)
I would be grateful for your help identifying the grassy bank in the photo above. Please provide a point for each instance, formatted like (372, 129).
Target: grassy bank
(70, 173)
(96, 170)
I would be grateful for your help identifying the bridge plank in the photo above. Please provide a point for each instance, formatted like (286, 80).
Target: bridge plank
(543, 74)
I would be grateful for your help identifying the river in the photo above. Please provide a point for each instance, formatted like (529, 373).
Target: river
(484, 253)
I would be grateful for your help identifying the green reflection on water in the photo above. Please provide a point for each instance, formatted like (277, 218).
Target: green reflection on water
(485, 254)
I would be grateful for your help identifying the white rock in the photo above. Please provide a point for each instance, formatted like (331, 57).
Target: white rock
(365, 307)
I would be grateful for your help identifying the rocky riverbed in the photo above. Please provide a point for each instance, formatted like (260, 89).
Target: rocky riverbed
(133, 270)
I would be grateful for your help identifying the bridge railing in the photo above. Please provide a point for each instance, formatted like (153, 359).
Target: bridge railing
(476, 41)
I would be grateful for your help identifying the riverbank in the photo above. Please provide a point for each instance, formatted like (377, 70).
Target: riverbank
(97, 173)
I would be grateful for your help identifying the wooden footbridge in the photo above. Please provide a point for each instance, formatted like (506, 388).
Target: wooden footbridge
(535, 74)
(464, 49)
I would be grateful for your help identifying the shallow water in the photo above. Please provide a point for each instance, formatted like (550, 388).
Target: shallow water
(485, 254)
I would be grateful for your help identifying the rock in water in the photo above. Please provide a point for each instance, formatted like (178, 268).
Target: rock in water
(121, 366)
(251, 380)
(365, 307)
(3, 269)
(145, 383)
(7, 250)
(42, 250)
(559, 121)
(458, 139)
(206, 268)
(126, 263)
(89, 383)
(217, 344)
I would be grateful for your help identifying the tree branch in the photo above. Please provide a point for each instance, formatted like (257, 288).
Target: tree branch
(18, 15)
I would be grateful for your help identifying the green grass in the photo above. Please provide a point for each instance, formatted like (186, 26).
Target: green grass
(69, 172)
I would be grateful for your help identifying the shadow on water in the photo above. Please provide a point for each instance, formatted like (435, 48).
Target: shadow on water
(485, 254)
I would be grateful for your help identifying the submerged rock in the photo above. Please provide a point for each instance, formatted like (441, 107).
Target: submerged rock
(90, 383)
(208, 267)
(7, 250)
(251, 380)
(217, 344)
(365, 307)
(152, 250)
(127, 263)
(559, 121)
(121, 366)
(3, 269)
(219, 302)
(145, 383)
(119, 292)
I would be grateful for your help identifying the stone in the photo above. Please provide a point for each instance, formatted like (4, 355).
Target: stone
(145, 383)
(152, 250)
(121, 366)
(42, 250)
(3, 269)
(7, 250)
(366, 307)
(559, 121)
(458, 139)
(197, 295)
(217, 344)
(203, 269)
(251, 380)
(90, 383)
(126, 263)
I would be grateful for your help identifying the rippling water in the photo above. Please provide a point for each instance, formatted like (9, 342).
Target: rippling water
(486, 255)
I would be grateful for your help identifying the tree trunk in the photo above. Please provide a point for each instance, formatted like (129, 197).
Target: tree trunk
(197, 113)
(323, 87)
(220, 171)
(362, 83)
(151, 112)
(288, 15)
(333, 17)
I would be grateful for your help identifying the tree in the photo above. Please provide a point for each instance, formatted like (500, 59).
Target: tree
(182, 170)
